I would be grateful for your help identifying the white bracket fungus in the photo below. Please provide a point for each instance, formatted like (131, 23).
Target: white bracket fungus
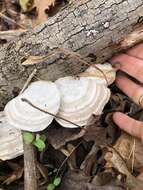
(70, 100)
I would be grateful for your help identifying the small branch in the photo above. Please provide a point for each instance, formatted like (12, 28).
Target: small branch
(30, 165)
(11, 20)
(30, 169)
(28, 80)
(31, 104)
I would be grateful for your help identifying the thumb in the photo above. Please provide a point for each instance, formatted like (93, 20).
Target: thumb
(128, 124)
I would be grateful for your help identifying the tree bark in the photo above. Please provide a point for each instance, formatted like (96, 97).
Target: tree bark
(93, 28)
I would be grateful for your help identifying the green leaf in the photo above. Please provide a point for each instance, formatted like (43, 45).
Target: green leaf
(57, 181)
(28, 137)
(43, 137)
(51, 186)
(39, 144)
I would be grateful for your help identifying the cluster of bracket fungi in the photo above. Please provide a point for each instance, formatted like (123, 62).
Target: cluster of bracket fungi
(71, 101)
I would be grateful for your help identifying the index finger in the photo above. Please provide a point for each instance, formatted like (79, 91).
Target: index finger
(130, 65)
(128, 124)
(136, 51)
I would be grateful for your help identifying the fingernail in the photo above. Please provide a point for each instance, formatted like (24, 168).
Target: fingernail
(116, 65)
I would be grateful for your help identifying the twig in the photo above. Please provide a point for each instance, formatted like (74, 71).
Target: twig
(31, 104)
(28, 80)
(132, 154)
(65, 160)
(133, 159)
(11, 20)
(30, 168)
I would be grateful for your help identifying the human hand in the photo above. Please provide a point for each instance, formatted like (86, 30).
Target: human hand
(131, 63)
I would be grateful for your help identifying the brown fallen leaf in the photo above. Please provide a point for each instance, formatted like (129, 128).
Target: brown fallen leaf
(43, 171)
(16, 174)
(42, 6)
(131, 153)
(119, 102)
(90, 160)
(95, 132)
(58, 136)
(77, 180)
(103, 178)
(9, 15)
(115, 160)
(31, 60)
(70, 153)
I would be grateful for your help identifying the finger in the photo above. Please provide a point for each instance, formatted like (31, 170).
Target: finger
(130, 88)
(136, 51)
(128, 124)
(130, 65)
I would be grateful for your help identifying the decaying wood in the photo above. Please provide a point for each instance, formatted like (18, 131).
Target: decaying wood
(30, 169)
(92, 28)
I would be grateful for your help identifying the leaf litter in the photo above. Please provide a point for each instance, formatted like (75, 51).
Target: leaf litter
(18, 16)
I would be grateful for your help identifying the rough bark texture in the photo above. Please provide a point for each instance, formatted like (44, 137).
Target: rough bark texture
(92, 28)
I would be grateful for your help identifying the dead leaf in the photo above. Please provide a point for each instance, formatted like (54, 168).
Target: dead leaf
(115, 160)
(78, 181)
(90, 160)
(16, 174)
(31, 60)
(70, 154)
(95, 132)
(42, 6)
(119, 102)
(113, 131)
(58, 136)
(37, 11)
(124, 146)
(44, 173)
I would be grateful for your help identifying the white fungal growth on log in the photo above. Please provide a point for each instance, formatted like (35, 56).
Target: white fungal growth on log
(43, 94)
(11, 144)
(70, 100)
(103, 73)
(80, 98)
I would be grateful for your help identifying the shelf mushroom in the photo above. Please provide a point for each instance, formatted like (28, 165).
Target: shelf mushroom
(103, 73)
(43, 94)
(80, 98)
(11, 144)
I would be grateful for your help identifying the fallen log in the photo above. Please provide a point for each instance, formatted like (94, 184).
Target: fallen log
(93, 28)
